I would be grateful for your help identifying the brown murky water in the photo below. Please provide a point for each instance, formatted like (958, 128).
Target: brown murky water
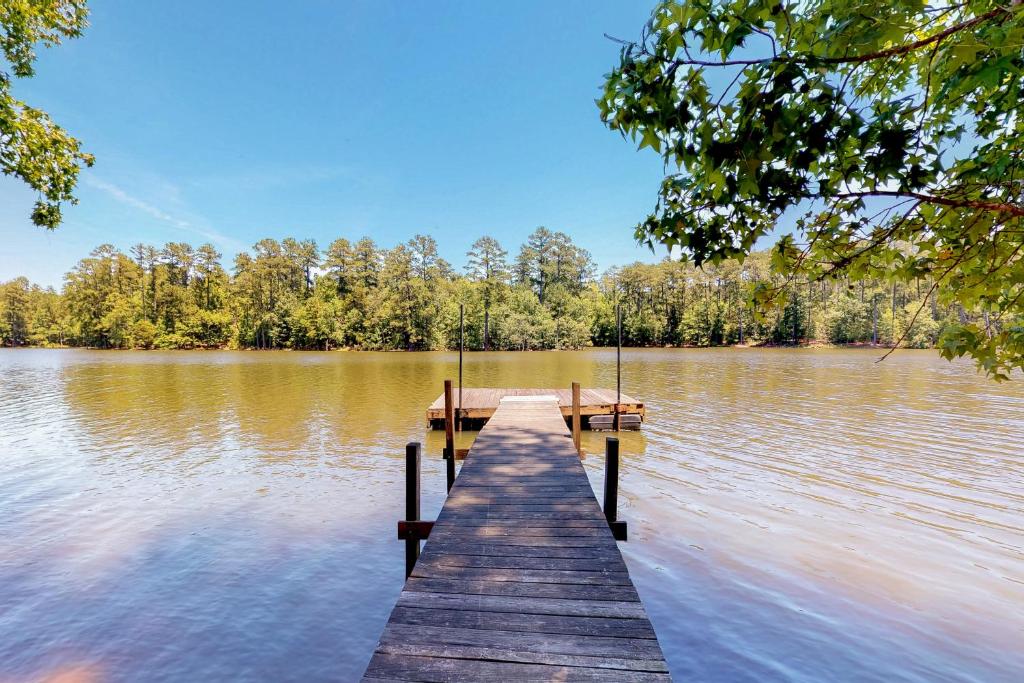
(794, 515)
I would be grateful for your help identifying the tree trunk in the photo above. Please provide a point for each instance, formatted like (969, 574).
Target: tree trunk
(487, 330)
(892, 332)
(874, 320)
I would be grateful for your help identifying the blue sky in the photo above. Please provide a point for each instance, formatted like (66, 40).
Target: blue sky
(232, 121)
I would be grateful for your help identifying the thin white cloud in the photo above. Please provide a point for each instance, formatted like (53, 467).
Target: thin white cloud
(125, 198)
(130, 200)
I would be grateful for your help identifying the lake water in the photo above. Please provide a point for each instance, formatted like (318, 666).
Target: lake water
(794, 515)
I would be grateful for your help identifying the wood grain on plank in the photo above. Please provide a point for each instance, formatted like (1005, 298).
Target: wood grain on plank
(638, 653)
(414, 668)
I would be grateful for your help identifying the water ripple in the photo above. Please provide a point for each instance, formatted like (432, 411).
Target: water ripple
(794, 515)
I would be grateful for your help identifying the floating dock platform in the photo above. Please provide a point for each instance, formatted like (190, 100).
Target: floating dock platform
(479, 405)
(520, 578)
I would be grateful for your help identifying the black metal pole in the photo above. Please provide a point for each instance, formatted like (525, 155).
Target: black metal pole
(462, 345)
(449, 434)
(412, 502)
(618, 363)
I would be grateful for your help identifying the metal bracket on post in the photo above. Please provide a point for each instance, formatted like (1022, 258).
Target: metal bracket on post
(413, 529)
(611, 489)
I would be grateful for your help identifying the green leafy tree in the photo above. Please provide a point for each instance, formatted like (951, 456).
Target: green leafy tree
(403, 307)
(33, 147)
(889, 133)
(143, 334)
(147, 257)
(488, 265)
(102, 295)
(210, 277)
(550, 258)
(523, 323)
(319, 319)
(532, 264)
(339, 262)
(48, 322)
(849, 320)
(206, 328)
(14, 312)
(303, 258)
(355, 269)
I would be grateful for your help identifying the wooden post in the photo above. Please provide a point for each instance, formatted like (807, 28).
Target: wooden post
(412, 502)
(449, 434)
(576, 416)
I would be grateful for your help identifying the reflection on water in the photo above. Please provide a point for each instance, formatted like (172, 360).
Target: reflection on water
(794, 515)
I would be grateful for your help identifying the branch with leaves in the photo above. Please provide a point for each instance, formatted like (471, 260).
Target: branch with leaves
(825, 117)
(33, 147)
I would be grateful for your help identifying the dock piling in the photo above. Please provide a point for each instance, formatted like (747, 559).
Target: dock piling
(449, 434)
(576, 427)
(611, 488)
(412, 502)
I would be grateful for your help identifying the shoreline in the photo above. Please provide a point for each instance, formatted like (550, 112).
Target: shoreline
(766, 345)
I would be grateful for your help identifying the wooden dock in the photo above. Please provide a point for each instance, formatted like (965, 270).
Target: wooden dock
(521, 578)
(481, 403)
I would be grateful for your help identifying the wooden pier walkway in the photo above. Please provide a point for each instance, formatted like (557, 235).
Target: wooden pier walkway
(521, 578)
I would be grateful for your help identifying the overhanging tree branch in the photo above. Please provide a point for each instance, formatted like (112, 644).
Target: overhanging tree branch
(999, 207)
(853, 59)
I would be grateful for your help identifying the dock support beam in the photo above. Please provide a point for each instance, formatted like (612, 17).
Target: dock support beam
(412, 503)
(576, 427)
(611, 489)
(449, 434)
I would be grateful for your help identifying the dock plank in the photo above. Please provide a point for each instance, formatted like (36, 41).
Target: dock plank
(494, 550)
(621, 653)
(513, 589)
(608, 563)
(443, 669)
(523, 605)
(520, 578)
(532, 623)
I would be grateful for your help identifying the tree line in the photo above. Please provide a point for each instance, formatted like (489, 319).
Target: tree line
(290, 294)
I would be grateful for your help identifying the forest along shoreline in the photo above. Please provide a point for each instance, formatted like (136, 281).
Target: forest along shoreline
(360, 296)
